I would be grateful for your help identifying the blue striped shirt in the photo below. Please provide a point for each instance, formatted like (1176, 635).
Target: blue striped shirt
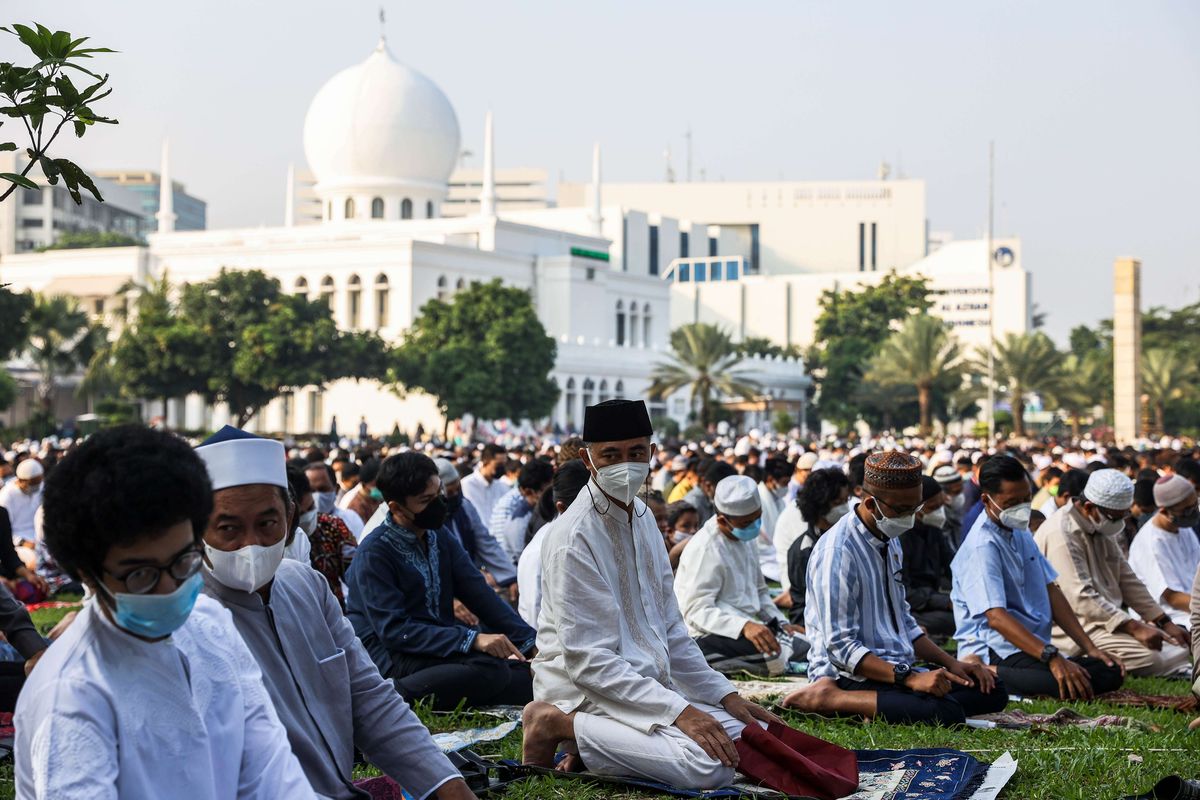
(855, 604)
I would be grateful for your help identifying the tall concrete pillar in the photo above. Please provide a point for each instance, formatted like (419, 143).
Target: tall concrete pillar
(1127, 348)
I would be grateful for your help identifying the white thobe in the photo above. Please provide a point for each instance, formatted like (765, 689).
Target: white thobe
(108, 715)
(788, 528)
(300, 548)
(529, 576)
(1163, 560)
(483, 495)
(720, 587)
(21, 509)
(768, 559)
(613, 647)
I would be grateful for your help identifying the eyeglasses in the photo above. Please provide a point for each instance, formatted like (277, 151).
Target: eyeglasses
(899, 512)
(142, 580)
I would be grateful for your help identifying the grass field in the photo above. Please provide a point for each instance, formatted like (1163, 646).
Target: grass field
(1060, 764)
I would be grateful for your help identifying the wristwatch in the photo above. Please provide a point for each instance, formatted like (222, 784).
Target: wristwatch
(1049, 652)
(901, 673)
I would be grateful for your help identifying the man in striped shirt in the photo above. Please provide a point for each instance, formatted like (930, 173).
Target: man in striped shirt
(865, 641)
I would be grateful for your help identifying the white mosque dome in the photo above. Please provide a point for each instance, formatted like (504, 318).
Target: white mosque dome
(381, 125)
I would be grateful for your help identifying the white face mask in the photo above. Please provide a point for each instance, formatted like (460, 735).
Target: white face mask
(1015, 518)
(837, 512)
(247, 569)
(958, 501)
(780, 492)
(893, 527)
(308, 522)
(621, 481)
(935, 519)
(324, 501)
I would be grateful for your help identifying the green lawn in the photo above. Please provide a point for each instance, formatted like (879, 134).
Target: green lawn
(1064, 764)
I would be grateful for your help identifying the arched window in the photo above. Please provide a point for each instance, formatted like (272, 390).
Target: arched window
(381, 301)
(441, 287)
(570, 395)
(619, 390)
(377, 208)
(633, 324)
(406, 209)
(428, 209)
(589, 388)
(354, 296)
(302, 286)
(603, 390)
(646, 325)
(327, 291)
(460, 284)
(620, 323)
(350, 211)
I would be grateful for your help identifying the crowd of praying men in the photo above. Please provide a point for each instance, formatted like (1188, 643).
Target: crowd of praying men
(280, 608)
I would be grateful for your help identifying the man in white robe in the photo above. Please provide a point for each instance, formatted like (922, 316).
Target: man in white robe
(617, 678)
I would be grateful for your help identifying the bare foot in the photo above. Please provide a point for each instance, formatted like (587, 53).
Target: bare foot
(813, 698)
(1194, 724)
(542, 725)
(571, 762)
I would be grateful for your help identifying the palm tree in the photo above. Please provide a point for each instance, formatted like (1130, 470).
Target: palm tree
(917, 355)
(1085, 384)
(1026, 363)
(1165, 376)
(62, 340)
(705, 359)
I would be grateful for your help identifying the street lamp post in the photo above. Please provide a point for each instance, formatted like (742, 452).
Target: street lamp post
(991, 350)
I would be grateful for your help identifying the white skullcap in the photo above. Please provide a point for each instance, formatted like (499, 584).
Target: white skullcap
(236, 458)
(947, 475)
(1171, 490)
(1109, 488)
(807, 461)
(737, 496)
(1075, 461)
(29, 469)
(446, 471)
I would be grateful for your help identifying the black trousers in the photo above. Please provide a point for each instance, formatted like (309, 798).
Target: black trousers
(898, 704)
(12, 678)
(477, 678)
(938, 624)
(730, 656)
(1027, 676)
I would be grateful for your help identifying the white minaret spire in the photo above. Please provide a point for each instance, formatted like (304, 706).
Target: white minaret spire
(166, 194)
(596, 215)
(487, 197)
(289, 210)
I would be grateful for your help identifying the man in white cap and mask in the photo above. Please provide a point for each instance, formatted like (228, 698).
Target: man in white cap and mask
(721, 590)
(617, 679)
(328, 693)
(1080, 543)
(22, 498)
(1166, 553)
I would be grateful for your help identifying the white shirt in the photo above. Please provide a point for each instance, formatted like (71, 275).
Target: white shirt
(610, 635)
(790, 527)
(483, 495)
(107, 715)
(1163, 560)
(768, 558)
(719, 585)
(21, 508)
(529, 576)
(300, 548)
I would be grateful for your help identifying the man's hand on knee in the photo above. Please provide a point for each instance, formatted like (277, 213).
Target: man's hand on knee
(704, 730)
(743, 710)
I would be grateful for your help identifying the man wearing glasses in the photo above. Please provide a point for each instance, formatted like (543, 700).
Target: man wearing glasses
(865, 642)
(150, 692)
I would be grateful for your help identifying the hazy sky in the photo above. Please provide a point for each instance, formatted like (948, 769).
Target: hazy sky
(1094, 105)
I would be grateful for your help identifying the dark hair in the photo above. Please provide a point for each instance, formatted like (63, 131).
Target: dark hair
(856, 470)
(963, 461)
(718, 471)
(1143, 492)
(536, 474)
(323, 466)
(819, 492)
(753, 472)
(1051, 472)
(569, 481)
(351, 470)
(999, 469)
(1189, 469)
(405, 475)
(1073, 483)
(298, 483)
(677, 510)
(369, 472)
(929, 488)
(777, 468)
(490, 451)
(119, 486)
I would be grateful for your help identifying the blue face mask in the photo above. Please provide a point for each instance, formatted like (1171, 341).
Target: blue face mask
(156, 615)
(749, 532)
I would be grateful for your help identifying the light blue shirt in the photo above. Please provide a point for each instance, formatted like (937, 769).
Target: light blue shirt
(856, 605)
(511, 506)
(999, 568)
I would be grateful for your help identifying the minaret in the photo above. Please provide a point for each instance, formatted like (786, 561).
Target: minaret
(487, 197)
(166, 195)
(289, 210)
(596, 215)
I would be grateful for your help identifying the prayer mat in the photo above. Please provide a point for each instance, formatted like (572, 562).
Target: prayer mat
(382, 788)
(53, 604)
(454, 741)
(1126, 697)
(758, 691)
(1021, 720)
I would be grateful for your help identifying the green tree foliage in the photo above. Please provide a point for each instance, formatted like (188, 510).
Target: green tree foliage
(14, 311)
(62, 340)
(8, 390)
(922, 354)
(762, 346)
(79, 240)
(1085, 382)
(705, 360)
(1025, 364)
(483, 352)
(851, 328)
(45, 99)
(1166, 375)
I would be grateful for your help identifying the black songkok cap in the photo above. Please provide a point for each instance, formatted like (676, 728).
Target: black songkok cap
(616, 420)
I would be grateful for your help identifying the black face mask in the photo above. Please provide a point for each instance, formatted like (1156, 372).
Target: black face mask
(453, 504)
(433, 516)
(1187, 519)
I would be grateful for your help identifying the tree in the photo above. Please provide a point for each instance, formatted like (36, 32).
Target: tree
(79, 240)
(704, 359)
(1085, 382)
(14, 310)
(762, 346)
(1166, 376)
(852, 326)
(1026, 363)
(483, 352)
(917, 355)
(45, 99)
(62, 340)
